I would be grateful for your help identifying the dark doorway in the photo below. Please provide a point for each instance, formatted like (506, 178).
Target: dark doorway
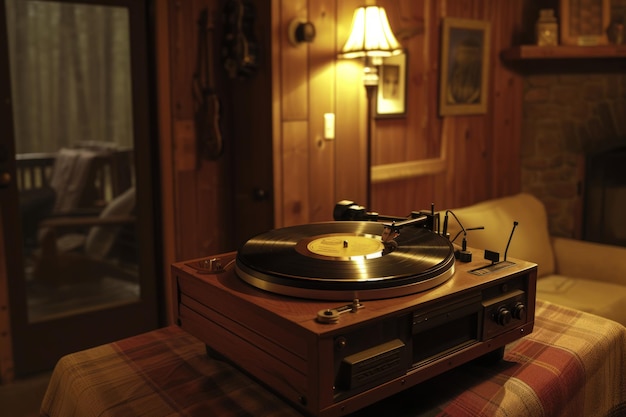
(605, 196)
(79, 215)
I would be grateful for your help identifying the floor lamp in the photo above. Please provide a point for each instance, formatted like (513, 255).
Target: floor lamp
(371, 39)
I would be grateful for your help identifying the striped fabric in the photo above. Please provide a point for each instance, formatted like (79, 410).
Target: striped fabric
(573, 364)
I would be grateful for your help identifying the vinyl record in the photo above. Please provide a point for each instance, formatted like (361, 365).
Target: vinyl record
(345, 260)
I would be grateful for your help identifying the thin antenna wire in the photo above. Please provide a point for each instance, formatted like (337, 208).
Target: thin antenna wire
(510, 237)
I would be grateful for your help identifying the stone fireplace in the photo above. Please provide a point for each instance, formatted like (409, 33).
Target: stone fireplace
(573, 110)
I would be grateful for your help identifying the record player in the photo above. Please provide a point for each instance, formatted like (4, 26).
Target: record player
(335, 316)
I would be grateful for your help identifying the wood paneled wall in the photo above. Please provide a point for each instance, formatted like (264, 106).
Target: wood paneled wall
(311, 172)
(273, 124)
(480, 153)
(451, 161)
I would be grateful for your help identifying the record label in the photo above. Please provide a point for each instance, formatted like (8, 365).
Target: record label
(347, 247)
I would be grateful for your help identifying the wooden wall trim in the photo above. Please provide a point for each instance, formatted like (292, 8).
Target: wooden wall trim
(166, 145)
(411, 169)
(6, 342)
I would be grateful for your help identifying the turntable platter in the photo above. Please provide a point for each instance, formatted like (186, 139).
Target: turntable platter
(345, 260)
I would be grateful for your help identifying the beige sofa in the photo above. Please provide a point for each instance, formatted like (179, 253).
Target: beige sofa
(586, 276)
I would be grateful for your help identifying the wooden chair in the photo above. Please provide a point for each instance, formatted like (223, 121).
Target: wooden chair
(75, 181)
(78, 248)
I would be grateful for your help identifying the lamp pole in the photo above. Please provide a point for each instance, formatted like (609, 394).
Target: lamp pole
(370, 37)
(370, 80)
(370, 91)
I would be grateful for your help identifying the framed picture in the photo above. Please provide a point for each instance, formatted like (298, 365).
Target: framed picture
(464, 67)
(584, 22)
(391, 94)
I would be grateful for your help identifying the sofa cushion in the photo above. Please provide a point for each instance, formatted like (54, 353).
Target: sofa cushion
(531, 241)
(596, 297)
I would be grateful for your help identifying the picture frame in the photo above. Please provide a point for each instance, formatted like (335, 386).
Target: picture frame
(391, 92)
(584, 22)
(464, 76)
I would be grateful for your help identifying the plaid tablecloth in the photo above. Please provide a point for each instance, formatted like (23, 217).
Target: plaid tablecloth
(573, 364)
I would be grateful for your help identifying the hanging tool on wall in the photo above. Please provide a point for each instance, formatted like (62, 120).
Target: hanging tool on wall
(239, 49)
(207, 105)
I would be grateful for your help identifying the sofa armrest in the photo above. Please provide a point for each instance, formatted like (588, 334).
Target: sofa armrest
(582, 259)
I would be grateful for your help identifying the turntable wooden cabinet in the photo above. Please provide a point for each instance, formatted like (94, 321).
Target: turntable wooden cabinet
(331, 358)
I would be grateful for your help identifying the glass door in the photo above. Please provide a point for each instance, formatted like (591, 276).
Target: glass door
(79, 211)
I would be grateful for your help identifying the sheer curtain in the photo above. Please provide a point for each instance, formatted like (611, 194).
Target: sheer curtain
(70, 73)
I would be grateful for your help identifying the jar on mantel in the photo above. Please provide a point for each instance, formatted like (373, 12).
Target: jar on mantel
(547, 28)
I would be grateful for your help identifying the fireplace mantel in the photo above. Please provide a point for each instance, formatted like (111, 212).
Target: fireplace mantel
(534, 52)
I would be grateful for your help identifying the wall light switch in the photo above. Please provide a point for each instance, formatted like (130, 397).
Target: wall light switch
(329, 126)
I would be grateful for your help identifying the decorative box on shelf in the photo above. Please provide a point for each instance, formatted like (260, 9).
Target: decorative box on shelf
(547, 29)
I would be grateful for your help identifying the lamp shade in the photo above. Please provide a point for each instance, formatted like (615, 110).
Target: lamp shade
(370, 35)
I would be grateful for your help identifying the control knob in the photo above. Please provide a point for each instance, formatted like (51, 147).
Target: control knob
(503, 316)
(519, 311)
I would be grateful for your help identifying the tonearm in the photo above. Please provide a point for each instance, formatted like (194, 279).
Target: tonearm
(349, 210)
